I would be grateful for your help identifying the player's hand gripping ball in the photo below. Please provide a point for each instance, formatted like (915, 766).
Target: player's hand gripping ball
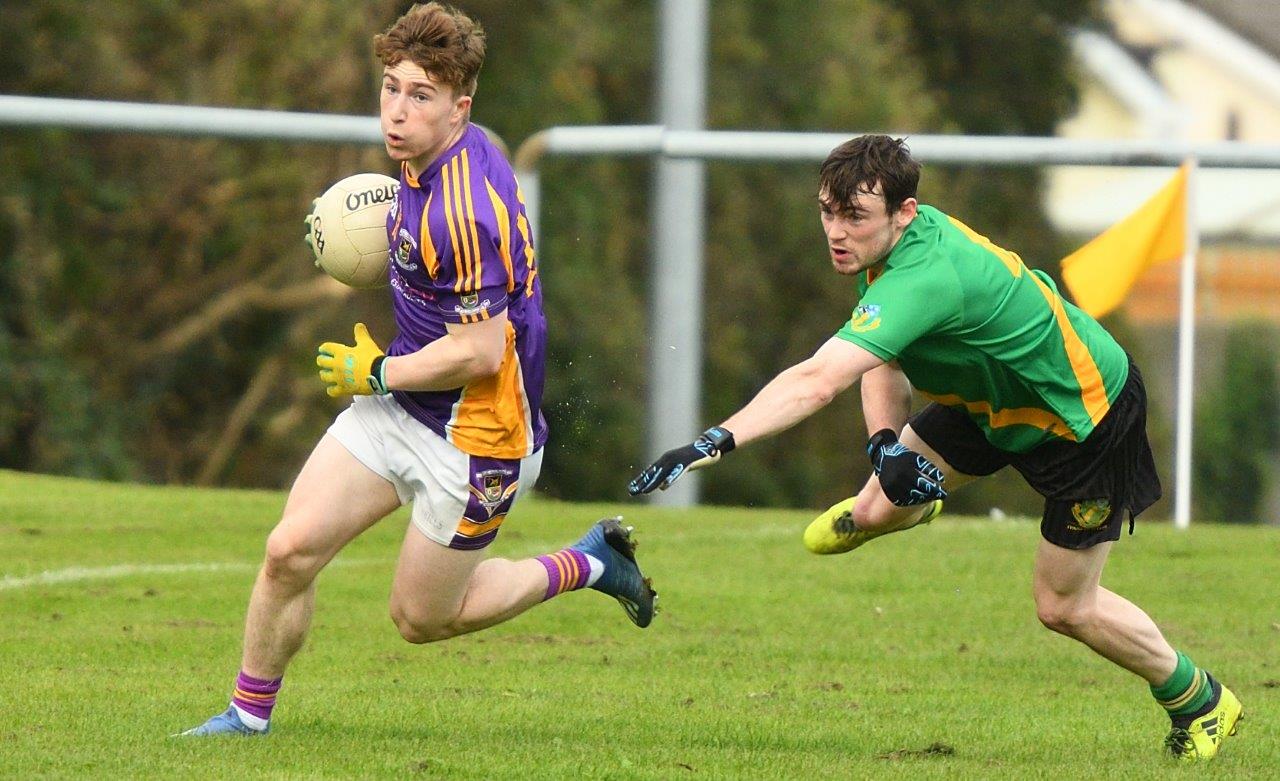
(347, 229)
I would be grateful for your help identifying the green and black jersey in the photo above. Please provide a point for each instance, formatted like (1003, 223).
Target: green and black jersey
(973, 328)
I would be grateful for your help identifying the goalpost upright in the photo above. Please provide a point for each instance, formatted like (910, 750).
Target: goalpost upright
(659, 142)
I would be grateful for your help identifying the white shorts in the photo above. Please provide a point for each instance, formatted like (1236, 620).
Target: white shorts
(459, 500)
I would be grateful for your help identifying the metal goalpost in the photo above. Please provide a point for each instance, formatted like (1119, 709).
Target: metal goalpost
(680, 418)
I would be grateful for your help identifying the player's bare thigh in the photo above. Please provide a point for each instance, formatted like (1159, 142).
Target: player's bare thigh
(333, 500)
(874, 509)
(431, 585)
(1068, 577)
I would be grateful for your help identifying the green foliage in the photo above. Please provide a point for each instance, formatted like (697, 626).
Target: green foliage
(159, 310)
(765, 663)
(998, 68)
(1237, 427)
(138, 272)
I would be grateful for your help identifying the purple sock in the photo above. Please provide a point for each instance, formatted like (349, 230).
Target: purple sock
(255, 696)
(567, 570)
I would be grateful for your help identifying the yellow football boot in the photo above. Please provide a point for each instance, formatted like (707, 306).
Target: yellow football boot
(1200, 738)
(834, 532)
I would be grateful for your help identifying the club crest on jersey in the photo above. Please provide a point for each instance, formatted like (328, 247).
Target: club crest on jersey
(471, 304)
(404, 249)
(865, 318)
(1092, 513)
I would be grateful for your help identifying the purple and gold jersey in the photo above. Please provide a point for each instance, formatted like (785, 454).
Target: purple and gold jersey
(461, 252)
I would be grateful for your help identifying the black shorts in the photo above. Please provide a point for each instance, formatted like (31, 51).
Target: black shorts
(1088, 486)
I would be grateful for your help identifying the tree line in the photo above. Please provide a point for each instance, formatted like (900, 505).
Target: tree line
(159, 311)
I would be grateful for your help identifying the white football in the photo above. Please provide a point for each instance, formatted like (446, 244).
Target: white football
(347, 229)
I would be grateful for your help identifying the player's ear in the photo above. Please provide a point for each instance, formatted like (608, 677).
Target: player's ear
(461, 108)
(906, 212)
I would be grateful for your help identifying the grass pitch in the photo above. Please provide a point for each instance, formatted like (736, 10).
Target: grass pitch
(918, 656)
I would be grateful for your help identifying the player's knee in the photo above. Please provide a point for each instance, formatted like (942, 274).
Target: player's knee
(289, 558)
(419, 634)
(1064, 616)
(420, 630)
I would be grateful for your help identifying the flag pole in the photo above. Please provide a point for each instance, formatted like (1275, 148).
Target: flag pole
(1186, 356)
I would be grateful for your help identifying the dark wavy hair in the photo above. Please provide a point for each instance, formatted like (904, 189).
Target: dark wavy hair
(858, 164)
(445, 42)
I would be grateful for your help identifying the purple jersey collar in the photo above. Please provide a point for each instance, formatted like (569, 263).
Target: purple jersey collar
(431, 170)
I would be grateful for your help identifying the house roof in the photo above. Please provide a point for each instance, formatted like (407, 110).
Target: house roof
(1257, 22)
(1089, 200)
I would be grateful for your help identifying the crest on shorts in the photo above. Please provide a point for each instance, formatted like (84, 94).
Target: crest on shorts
(866, 317)
(492, 486)
(1092, 513)
(491, 490)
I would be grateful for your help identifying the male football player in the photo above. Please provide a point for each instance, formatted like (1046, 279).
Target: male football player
(1017, 377)
(448, 418)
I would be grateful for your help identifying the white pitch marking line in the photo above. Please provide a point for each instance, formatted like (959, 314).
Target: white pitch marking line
(81, 574)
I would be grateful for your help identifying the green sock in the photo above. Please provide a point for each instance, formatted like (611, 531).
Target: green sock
(1186, 691)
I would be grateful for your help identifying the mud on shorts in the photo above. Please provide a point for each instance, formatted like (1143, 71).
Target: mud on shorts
(459, 500)
(1088, 486)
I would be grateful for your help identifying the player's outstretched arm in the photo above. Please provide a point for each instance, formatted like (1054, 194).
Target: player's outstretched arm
(789, 398)
(802, 390)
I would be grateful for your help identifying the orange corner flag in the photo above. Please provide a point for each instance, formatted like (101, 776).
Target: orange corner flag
(1100, 273)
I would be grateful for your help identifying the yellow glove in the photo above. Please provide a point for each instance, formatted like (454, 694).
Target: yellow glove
(359, 370)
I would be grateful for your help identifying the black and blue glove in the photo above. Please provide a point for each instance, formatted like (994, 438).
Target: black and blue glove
(703, 451)
(907, 477)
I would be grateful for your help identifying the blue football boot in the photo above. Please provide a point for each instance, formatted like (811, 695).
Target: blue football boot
(227, 723)
(610, 542)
